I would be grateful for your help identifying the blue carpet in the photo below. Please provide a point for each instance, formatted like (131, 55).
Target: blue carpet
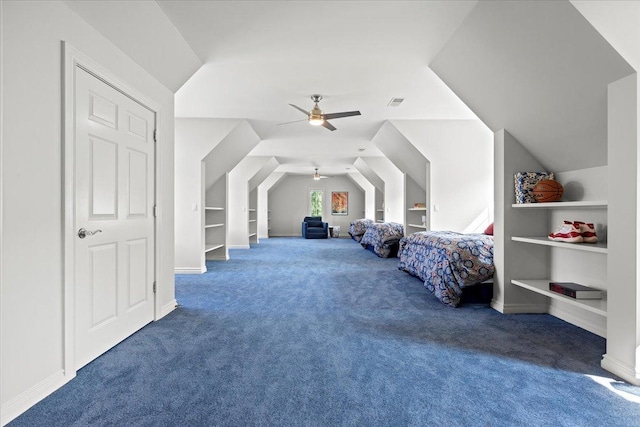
(301, 332)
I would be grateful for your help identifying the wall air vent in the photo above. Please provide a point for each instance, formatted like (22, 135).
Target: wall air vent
(395, 102)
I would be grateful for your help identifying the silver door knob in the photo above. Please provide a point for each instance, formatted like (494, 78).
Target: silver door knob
(82, 233)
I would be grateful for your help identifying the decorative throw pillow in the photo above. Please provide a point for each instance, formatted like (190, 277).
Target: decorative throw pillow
(524, 183)
(489, 230)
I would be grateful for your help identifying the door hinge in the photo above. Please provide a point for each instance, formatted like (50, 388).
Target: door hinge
(154, 287)
(155, 210)
(155, 135)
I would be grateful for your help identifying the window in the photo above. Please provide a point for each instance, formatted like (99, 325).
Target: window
(315, 202)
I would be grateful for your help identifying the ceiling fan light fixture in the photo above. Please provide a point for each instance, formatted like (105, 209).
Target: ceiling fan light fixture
(316, 175)
(316, 120)
(316, 117)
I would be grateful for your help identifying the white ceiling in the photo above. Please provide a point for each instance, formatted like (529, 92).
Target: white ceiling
(259, 56)
(142, 30)
(540, 70)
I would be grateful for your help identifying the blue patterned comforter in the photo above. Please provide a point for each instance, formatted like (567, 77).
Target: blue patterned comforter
(358, 227)
(381, 238)
(447, 261)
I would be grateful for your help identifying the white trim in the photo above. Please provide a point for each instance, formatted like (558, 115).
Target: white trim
(187, 270)
(238, 246)
(580, 321)
(324, 205)
(25, 400)
(224, 257)
(168, 308)
(71, 60)
(619, 368)
(518, 308)
(3, 411)
(159, 214)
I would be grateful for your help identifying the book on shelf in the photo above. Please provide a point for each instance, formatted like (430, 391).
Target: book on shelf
(575, 290)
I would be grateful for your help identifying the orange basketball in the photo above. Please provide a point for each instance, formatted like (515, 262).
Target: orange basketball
(547, 190)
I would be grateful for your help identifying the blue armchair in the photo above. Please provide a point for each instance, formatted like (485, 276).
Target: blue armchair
(314, 228)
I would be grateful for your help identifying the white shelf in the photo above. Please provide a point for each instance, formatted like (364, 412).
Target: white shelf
(213, 225)
(211, 247)
(379, 210)
(252, 210)
(568, 205)
(252, 220)
(597, 306)
(417, 209)
(212, 208)
(252, 234)
(600, 248)
(417, 226)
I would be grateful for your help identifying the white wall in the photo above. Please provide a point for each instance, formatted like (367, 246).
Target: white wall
(539, 70)
(369, 194)
(195, 139)
(623, 258)
(461, 156)
(289, 203)
(513, 259)
(366, 171)
(617, 21)
(393, 178)
(264, 213)
(158, 45)
(32, 253)
(397, 148)
(238, 199)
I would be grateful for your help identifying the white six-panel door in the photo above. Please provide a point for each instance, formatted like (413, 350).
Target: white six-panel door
(114, 193)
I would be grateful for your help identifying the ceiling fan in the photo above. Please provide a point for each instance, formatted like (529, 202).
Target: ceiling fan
(317, 176)
(317, 118)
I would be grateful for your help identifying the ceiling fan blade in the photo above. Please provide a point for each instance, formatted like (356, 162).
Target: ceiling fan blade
(295, 121)
(328, 125)
(331, 116)
(300, 109)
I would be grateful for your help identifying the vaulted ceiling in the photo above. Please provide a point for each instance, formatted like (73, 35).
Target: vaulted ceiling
(261, 56)
(544, 79)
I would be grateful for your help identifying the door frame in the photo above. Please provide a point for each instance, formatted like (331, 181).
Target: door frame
(71, 60)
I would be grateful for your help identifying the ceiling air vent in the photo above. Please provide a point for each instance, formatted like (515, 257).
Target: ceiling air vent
(395, 102)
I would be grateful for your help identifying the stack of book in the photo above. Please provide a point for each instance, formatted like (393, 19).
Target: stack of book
(575, 290)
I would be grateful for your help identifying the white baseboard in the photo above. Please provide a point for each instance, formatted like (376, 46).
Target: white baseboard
(617, 367)
(585, 320)
(187, 270)
(217, 258)
(497, 305)
(19, 404)
(239, 246)
(167, 308)
(518, 308)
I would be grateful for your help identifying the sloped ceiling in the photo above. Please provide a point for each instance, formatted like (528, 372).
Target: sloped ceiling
(229, 152)
(262, 55)
(619, 22)
(402, 153)
(539, 70)
(142, 30)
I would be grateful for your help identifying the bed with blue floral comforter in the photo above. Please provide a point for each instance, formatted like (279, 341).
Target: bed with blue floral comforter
(382, 238)
(358, 227)
(447, 261)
